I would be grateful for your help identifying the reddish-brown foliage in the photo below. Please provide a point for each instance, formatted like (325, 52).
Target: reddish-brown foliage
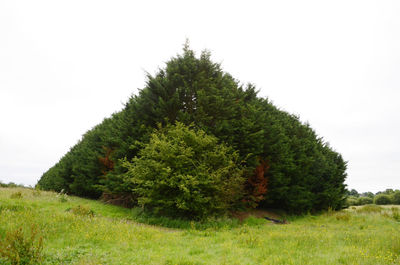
(256, 185)
(106, 161)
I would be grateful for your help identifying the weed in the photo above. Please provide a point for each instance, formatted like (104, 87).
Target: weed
(343, 216)
(396, 214)
(250, 240)
(16, 195)
(253, 221)
(36, 192)
(82, 210)
(370, 208)
(11, 207)
(19, 249)
(145, 217)
(330, 211)
(62, 196)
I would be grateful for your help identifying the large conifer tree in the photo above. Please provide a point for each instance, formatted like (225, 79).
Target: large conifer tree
(302, 172)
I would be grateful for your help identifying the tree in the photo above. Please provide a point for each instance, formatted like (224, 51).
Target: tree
(304, 173)
(354, 193)
(367, 194)
(396, 197)
(382, 199)
(185, 172)
(364, 200)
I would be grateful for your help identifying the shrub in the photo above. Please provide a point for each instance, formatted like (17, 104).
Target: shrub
(254, 221)
(82, 210)
(342, 216)
(396, 214)
(62, 196)
(36, 193)
(19, 249)
(351, 201)
(396, 197)
(184, 172)
(364, 201)
(16, 195)
(382, 199)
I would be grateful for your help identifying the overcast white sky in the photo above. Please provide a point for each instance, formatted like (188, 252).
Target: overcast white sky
(65, 65)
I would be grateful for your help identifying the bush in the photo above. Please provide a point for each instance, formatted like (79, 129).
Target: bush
(19, 249)
(382, 199)
(186, 173)
(396, 214)
(351, 201)
(342, 216)
(16, 195)
(364, 201)
(62, 196)
(396, 197)
(82, 210)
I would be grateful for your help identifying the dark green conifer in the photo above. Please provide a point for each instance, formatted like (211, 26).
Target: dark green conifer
(304, 173)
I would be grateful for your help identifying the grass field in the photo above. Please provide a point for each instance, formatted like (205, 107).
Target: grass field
(79, 231)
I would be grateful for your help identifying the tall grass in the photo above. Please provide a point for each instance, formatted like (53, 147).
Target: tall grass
(114, 235)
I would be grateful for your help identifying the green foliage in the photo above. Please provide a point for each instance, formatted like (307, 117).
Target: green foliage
(305, 173)
(389, 196)
(16, 195)
(396, 197)
(20, 249)
(10, 185)
(254, 221)
(62, 196)
(114, 236)
(343, 216)
(145, 217)
(368, 194)
(184, 172)
(351, 201)
(395, 214)
(364, 200)
(82, 210)
(370, 209)
(382, 199)
(353, 193)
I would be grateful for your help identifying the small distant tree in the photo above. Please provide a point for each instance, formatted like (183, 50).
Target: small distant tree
(364, 200)
(382, 199)
(388, 191)
(396, 197)
(185, 172)
(368, 194)
(354, 193)
(351, 201)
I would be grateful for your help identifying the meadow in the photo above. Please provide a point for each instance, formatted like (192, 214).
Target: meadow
(80, 231)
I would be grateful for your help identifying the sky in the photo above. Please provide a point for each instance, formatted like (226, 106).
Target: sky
(66, 65)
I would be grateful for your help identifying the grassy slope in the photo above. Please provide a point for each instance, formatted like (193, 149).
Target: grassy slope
(113, 237)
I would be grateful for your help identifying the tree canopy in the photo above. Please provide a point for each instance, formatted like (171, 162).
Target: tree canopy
(283, 162)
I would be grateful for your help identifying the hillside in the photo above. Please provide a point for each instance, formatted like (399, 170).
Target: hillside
(106, 234)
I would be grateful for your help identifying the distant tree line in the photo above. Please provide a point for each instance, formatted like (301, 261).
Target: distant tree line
(389, 196)
(11, 185)
(157, 151)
